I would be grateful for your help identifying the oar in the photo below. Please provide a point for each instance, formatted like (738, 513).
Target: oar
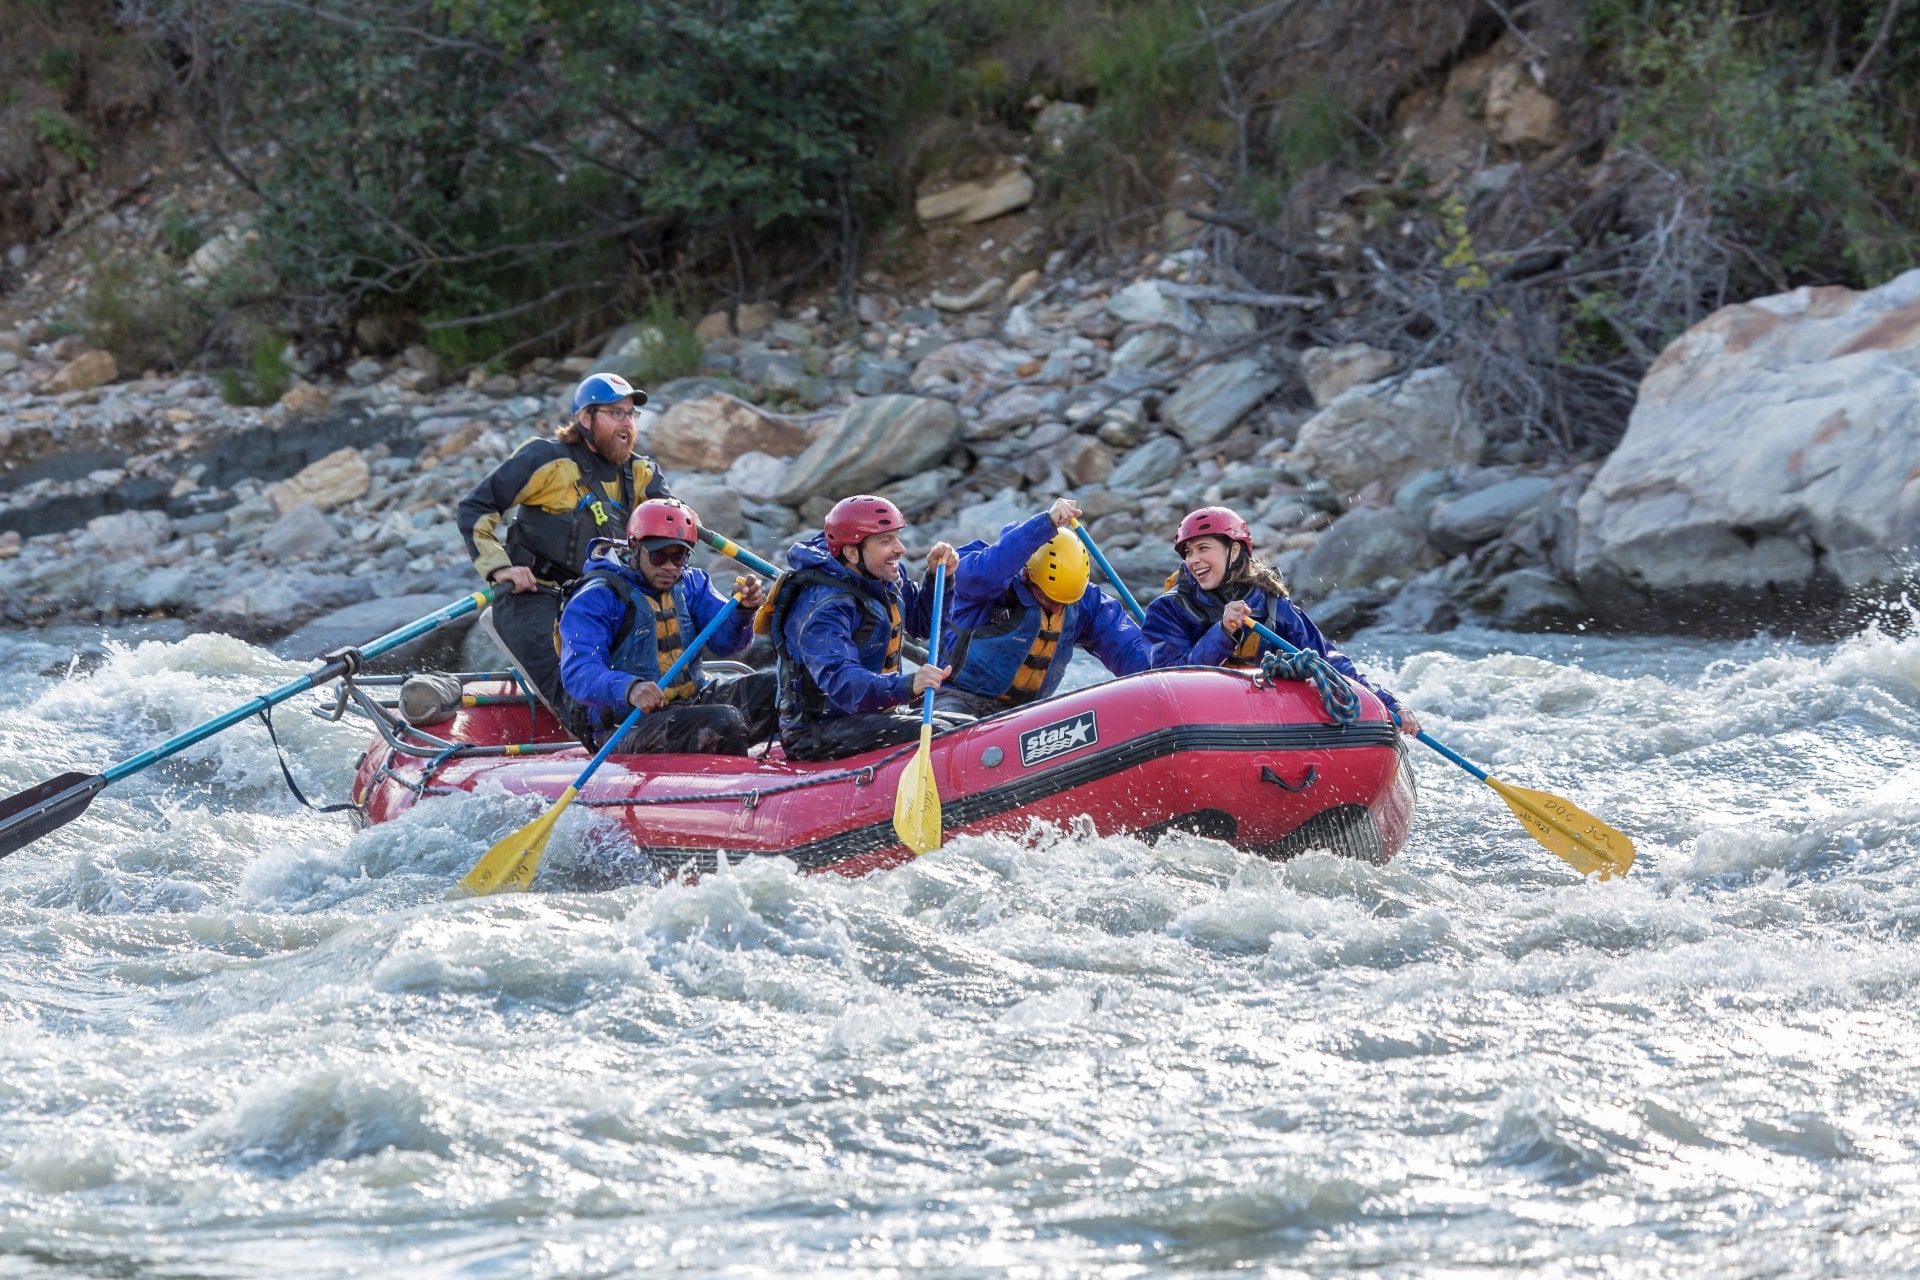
(728, 547)
(1562, 828)
(916, 806)
(511, 862)
(32, 813)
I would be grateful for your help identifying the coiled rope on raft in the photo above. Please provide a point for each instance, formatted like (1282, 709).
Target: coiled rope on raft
(1336, 695)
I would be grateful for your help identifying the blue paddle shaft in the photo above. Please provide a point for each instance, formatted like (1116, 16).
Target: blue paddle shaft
(728, 547)
(1126, 596)
(293, 688)
(933, 638)
(633, 717)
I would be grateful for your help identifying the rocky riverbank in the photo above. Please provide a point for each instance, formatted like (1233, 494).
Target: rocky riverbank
(1144, 393)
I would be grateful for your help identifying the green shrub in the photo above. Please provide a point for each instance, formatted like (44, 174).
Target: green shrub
(141, 312)
(267, 377)
(64, 134)
(178, 233)
(1150, 64)
(1794, 162)
(669, 349)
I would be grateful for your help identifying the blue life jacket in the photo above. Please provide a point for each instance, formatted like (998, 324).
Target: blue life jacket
(647, 648)
(877, 639)
(1010, 656)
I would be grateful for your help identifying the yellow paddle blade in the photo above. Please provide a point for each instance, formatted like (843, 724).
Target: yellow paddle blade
(510, 864)
(1569, 832)
(916, 806)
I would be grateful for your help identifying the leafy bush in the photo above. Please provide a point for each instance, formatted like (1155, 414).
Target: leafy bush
(1794, 160)
(141, 312)
(64, 134)
(267, 378)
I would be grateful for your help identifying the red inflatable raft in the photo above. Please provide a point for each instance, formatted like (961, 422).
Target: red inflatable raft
(1219, 753)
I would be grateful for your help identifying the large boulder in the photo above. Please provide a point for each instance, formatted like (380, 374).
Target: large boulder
(712, 499)
(1771, 466)
(710, 433)
(334, 480)
(1215, 397)
(1485, 514)
(301, 533)
(1359, 549)
(874, 442)
(1391, 431)
(273, 604)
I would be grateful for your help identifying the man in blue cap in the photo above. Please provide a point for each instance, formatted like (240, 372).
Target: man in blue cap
(563, 493)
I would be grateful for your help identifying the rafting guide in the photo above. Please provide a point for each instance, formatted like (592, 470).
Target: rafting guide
(562, 493)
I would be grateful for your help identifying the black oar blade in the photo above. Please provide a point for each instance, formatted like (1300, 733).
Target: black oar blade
(30, 814)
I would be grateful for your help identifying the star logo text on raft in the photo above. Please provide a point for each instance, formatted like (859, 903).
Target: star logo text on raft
(1050, 741)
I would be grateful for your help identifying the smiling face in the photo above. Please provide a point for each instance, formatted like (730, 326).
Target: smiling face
(609, 428)
(879, 556)
(1206, 560)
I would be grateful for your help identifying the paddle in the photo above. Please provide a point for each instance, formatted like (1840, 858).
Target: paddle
(1561, 827)
(511, 863)
(916, 805)
(52, 804)
(728, 547)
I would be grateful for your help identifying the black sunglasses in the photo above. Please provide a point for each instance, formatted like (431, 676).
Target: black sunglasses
(667, 555)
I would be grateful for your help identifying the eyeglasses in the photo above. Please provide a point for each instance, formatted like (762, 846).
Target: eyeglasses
(666, 556)
(618, 415)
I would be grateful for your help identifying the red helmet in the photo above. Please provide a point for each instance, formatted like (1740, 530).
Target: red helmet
(1218, 522)
(663, 518)
(854, 520)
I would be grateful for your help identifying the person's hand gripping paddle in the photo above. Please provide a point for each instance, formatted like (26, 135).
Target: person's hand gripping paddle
(511, 863)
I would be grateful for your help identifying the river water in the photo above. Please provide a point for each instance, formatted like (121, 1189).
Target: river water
(237, 1039)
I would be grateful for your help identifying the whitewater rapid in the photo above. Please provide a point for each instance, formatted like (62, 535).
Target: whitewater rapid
(239, 1039)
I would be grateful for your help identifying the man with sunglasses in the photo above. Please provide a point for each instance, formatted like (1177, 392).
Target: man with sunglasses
(627, 622)
(563, 493)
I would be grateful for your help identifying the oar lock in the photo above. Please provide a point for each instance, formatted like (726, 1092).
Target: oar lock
(347, 656)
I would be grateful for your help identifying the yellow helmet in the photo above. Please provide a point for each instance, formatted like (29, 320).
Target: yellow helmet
(1060, 568)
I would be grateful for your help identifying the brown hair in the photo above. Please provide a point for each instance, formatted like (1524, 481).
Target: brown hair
(568, 432)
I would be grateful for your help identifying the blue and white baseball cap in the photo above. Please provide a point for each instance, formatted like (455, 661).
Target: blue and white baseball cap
(605, 388)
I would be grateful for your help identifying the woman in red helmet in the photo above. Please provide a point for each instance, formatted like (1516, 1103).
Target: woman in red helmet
(626, 623)
(1219, 588)
(838, 620)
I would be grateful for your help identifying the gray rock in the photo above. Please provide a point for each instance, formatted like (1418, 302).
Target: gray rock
(1148, 347)
(984, 520)
(1391, 431)
(1361, 548)
(918, 493)
(1215, 397)
(875, 442)
(130, 535)
(1346, 611)
(1015, 407)
(1420, 494)
(773, 370)
(1148, 302)
(1096, 502)
(154, 590)
(715, 501)
(356, 624)
(276, 603)
(1529, 600)
(1147, 465)
(1481, 517)
(668, 394)
(1329, 371)
(757, 475)
(206, 522)
(1772, 461)
(301, 533)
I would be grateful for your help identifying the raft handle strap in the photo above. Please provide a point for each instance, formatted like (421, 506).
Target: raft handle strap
(280, 753)
(1268, 775)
